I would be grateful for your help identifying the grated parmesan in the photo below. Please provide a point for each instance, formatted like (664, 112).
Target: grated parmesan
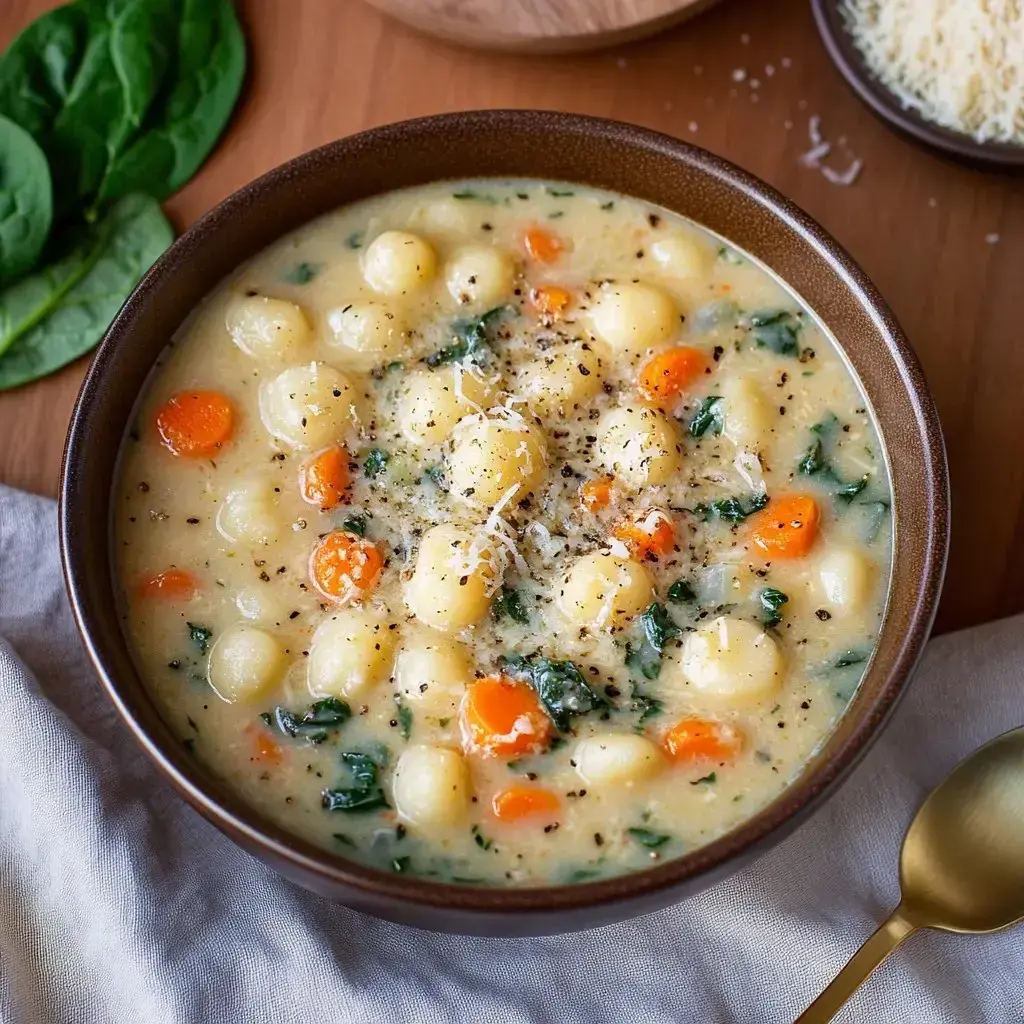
(959, 63)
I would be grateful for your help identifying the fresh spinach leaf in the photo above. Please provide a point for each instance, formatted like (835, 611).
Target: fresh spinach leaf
(648, 707)
(848, 658)
(195, 99)
(26, 201)
(776, 329)
(200, 636)
(355, 524)
(561, 688)
(302, 273)
(472, 336)
(363, 793)
(315, 724)
(355, 240)
(510, 603)
(730, 256)
(709, 417)
(731, 510)
(658, 626)
(645, 837)
(813, 460)
(681, 592)
(435, 474)
(771, 601)
(405, 719)
(376, 461)
(705, 780)
(59, 313)
(815, 463)
(643, 659)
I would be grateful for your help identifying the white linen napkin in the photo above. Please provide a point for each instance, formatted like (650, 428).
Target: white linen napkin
(120, 904)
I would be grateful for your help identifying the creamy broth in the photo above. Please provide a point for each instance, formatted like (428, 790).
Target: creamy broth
(509, 533)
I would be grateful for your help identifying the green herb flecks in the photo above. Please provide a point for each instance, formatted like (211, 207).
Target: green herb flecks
(375, 463)
(471, 195)
(709, 417)
(315, 724)
(730, 256)
(816, 463)
(705, 780)
(472, 337)
(647, 707)
(645, 837)
(510, 603)
(681, 592)
(405, 719)
(771, 602)
(561, 688)
(355, 240)
(302, 273)
(355, 524)
(200, 636)
(363, 792)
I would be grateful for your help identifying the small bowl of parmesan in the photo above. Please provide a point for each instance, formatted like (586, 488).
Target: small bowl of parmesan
(946, 73)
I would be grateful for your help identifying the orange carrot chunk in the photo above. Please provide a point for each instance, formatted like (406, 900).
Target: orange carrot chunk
(651, 534)
(787, 527)
(170, 585)
(518, 802)
(196, 423)
(265, 747)
(702, 739)
(343, 565)
(596, 494)
(668, 373)
(503, 718)
(324, 478)
(550, 299)
(542, 245)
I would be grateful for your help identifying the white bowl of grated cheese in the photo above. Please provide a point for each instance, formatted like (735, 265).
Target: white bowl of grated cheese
(946, 73)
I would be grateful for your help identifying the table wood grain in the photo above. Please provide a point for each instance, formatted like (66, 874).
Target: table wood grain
(944, 244)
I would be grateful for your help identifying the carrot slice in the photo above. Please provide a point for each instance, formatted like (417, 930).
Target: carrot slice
(324, 478)
(651, 534)
(542, 245)
(701, 739)
(596, 494)
(170, 585)
(265, 747)
(344, 565)
(668, 373)
(518, 802)
(787, 527)
(550, 299)
(196, 423)
(502, 717)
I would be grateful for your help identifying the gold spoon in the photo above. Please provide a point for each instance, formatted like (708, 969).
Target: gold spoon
(961, 866)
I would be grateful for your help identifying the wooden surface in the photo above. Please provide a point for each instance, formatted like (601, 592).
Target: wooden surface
(918, 225)
(549, 26)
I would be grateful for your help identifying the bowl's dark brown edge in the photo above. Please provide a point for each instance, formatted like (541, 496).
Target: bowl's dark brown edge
(993, 156)
(83, 507)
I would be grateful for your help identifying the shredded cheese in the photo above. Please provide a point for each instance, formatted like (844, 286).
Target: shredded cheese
(959, 63)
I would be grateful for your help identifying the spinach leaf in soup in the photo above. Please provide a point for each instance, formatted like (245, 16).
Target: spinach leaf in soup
(59, 313)
(510, 603)
(681, 592)
(708, 418)
(657, 626)
(191, 110)
(26, 201)
(199, 635)
(472, 336)
(731, 510)
(647, 838)
(777, 330)
(302, 273)
(375, 462)
(560, 686)
(363, 793)
(81, 80)
(316, 724)
(817, 463)
(771, 602)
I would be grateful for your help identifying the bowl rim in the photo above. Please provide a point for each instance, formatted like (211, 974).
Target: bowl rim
(709, 862)
(1005, 156)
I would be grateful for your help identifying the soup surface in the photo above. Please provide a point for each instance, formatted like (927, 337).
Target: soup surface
(503, 532)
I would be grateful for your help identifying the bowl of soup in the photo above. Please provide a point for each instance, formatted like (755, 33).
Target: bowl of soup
(505, 522)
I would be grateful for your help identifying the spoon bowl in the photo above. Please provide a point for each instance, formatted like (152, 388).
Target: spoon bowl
(961, 864)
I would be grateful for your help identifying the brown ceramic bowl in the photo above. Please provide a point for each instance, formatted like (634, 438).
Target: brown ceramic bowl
(621, 157)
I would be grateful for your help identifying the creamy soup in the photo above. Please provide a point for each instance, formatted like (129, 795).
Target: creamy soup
(503, 532)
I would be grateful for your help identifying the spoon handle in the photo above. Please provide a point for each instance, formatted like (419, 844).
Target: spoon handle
(889, 935)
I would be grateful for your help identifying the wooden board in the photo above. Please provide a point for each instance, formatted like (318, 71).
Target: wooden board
(918, 225)
(541, 26)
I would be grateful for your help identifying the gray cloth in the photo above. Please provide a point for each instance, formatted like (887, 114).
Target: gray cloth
(120, 904)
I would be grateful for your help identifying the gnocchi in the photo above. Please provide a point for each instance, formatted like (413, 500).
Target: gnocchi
(493, 457)
(432, 402)
(732, 659)
(431, 787)
(368, 333)
(350, 653)
(562, 380)
(634, 317)
(604, 590)
(271, 330)
(640, 446)
(244, 663)
(479, 275)
(310, 406)
(397, 262)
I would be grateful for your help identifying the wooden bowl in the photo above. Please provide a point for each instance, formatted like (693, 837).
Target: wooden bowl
(993, 156)
(541, 26)
(505, 143)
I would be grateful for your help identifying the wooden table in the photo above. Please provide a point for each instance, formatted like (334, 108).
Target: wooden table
(944, 244)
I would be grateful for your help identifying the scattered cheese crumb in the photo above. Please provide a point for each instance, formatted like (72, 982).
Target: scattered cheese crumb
(739, 74)
(932, 201)
(693, 128)
(959, 63)
(745, 38)
(821, 148)
(622, 62)
(769, 70)
(992, 238)
(786, 62)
